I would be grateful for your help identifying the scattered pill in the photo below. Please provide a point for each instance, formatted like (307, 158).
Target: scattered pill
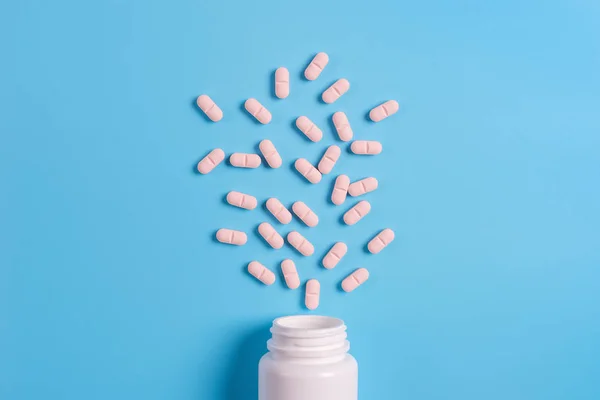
(363, 186)
(369, 147)
(244, 160)
(210, 108)
(355, 279)
(307, 170)
(384, 110)
(357, 212)
(342, 126)
(313, 292)
(230, 236)
(279, 211)
(340, 189)
(329, 159)
(241, 200)
(335, 91)
(305, 214)
(261, 273)
(300, 243)
(270, 235)
(258, 111)
(290, 274)
(382, 239)
(308, 127)
(282, 82)
(333, 256)
(270, 153)
(316, 66)
(209, 162)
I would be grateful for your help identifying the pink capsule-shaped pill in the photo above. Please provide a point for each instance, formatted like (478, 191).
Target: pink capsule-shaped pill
(369, 147)
(229, 236)
(384, 110)
(305, 214)
(258, 111)
(333, 256)
(313, 292)
(307, 127)
(340, 189)
(244, 160)
(316, 66)
(282, 83)
(342, 126)
(261, 273)
(290, 274)
(269, 152)
(279, 211)
(241, 200)
(209, 162)
(357, 212)
(329, 159)
(363, 186)
(210, 108)
(355, 279)
(270, 235)
(335, 91)
(300, 243)
(382, 239)
(307, 170)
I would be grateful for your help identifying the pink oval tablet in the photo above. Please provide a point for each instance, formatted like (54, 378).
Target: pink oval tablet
(210, 108)
(369, 147)
(241, 200)
(313, 292)
(258, 111)
(382, 239)
(300, 243)
(229, 236)
(244, 160)
(357, 212)
(307, 170)
(270, 153)
(279, 211)
(340, 189)
(336, 91)
(261, 273)
(342, 126)
(209, 162)
(333, 256)
(355, 279)
(316, 66)
(270, 235)
(307, 127)
(329, 159)
(363, 186)
(305, 214)
(384, 110)
(282, 83)
(290, 274)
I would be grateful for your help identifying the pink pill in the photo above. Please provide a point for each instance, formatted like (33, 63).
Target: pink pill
(340, 189)
(209, 162)
(229, 236)
(305, 214)
(279, 211)
(261, 273)
(369, 147)
(384, 110)
(342, 126)
(329, 159)
(270, 153)
(307, 127)
(382, 239)
(242, 200)
(307, 170)
(333, 256)
(290, 274)
(363, 186)
(335, 91)
(210, 108)
(355, 279)
(313, 292)
(243, 160)
(270, 235)
(316, 66)
(300, 243)
(357, 212)
(282, 83)
(258, 111)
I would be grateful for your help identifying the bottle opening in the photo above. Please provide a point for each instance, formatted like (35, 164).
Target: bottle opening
(317, 323)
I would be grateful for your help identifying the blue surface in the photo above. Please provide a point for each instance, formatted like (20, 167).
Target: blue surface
(111, 284)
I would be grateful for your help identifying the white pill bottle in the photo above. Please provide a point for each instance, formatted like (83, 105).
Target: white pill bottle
(308, 360)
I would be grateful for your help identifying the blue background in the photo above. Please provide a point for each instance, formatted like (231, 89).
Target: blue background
(112, 286)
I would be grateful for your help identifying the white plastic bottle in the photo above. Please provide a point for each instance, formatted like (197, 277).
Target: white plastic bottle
(308, 360)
